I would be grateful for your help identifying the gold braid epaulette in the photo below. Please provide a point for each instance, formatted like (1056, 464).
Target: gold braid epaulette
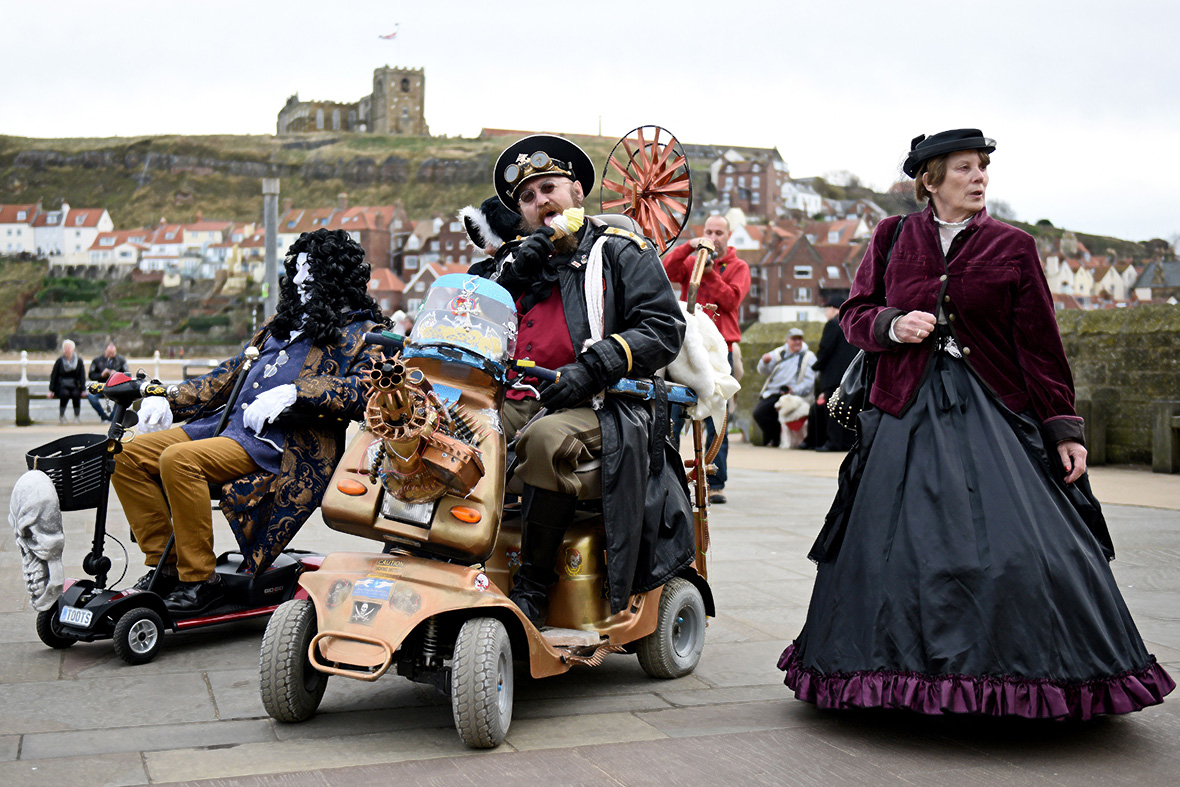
(628, 235)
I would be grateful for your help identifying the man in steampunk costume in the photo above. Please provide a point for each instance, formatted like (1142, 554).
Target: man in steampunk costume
(597, 306)
(310, 371)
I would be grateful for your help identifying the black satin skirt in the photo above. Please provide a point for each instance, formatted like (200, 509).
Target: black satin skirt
(957, 574)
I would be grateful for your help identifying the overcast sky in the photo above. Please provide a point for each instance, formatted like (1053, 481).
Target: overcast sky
(1081, 96)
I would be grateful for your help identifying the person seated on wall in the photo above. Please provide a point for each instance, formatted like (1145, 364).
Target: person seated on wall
(101, 368)
(594, 333)
(312, 362)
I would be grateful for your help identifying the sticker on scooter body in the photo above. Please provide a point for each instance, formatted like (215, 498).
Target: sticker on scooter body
(364, 612)
(405, 599)
(481, 582)
(338, 592)
(388, 567)
(75, 617)
(373, 587)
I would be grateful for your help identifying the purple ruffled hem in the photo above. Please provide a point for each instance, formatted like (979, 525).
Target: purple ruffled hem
(1032, 699)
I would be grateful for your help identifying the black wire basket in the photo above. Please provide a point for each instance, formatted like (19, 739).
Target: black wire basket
(74, 464)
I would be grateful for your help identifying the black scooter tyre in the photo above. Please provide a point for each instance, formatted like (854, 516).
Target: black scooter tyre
(482, 683)
(49, 631)
(674, 648)
(139, 635)
(290, 686)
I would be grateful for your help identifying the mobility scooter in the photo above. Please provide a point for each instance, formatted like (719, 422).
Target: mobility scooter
(80, 467)
(427, 477)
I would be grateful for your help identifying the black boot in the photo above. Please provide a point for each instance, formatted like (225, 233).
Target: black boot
(545, 516)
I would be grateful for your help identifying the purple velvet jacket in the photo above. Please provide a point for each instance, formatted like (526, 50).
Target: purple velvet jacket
(995, 295)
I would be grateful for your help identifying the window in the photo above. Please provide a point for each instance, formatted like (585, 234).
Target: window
(755, 290)
(450, 245)
(833, 236)
(319, 120)
(420, 286)
(756, 197)
(405, 85)
(755, 182)
(802, 316)
(729, 183)
(335, 119)
(833, 272)
(291, 224)
(802, 294)
(107, 242)
(21, 215)
(741, 181)
(454, 226)
(802, 271)
(169, 235)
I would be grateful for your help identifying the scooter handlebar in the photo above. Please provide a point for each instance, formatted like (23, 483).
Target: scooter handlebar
(389, 339)
(540, 372)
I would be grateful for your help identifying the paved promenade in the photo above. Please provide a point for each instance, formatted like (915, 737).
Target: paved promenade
(82, 717)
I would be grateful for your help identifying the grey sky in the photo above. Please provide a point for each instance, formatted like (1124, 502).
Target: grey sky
(1081, 96)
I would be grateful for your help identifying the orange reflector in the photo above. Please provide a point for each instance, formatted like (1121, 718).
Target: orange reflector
(466, 514)
(351, 486)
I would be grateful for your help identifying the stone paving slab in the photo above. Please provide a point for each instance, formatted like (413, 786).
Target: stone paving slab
(47, 745)
(305, 753)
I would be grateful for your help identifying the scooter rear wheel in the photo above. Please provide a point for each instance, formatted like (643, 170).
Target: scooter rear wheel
(674, 648)
(49, 630)
(291, 687)
(481, 683)
(139, 635)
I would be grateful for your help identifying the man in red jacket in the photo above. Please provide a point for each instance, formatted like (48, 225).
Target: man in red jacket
(723, 288)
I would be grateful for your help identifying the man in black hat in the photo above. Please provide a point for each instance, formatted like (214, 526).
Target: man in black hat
(595, 304)
(831, 360)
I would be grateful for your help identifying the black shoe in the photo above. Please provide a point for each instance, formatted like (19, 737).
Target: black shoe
(717, 496)
(192, 597)
(532, 599)
(164, 585)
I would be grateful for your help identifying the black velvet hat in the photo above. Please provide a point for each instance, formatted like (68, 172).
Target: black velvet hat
(540, 154)
(491, 224)
(924, 148)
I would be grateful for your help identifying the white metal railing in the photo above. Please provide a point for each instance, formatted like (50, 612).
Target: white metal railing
(166, 370)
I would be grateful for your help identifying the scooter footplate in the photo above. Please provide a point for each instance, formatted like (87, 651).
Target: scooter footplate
(570, 638)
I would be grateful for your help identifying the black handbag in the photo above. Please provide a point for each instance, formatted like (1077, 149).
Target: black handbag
(852, 396)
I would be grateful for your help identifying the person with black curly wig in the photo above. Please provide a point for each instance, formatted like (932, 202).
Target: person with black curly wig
(282, 438)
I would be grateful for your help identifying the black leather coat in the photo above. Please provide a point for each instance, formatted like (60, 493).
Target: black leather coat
(648, 516)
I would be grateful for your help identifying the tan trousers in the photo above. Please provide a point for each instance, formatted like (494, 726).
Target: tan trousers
(185, 468)
(552, 446)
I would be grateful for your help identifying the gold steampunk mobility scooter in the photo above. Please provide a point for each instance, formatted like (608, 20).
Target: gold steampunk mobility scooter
(427, 476)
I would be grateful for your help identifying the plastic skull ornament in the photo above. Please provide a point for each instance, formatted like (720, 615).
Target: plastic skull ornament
(35, 516)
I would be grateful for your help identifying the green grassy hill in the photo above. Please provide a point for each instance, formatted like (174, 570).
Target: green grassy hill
(143, 179)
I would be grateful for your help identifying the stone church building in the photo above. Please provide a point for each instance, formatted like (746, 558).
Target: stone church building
(397, 105)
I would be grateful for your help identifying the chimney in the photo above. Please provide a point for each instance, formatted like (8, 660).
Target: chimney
(200, 216)
(342, 201)
(288, 203)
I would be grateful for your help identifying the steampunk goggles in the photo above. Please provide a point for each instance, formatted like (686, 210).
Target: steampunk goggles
(539, 163)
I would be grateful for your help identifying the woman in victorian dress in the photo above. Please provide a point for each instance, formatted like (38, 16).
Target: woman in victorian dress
(963, 567)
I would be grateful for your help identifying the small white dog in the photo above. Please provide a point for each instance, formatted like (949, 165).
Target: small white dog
(792, 418)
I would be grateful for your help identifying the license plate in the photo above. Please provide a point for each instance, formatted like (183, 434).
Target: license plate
(75, 617)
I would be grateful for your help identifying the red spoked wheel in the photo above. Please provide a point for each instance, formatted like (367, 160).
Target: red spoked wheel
(652, 183)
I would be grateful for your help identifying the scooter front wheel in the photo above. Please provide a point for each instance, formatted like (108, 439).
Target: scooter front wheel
(139, 635)
(291, 687)
(49, 630)
(481, 683)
